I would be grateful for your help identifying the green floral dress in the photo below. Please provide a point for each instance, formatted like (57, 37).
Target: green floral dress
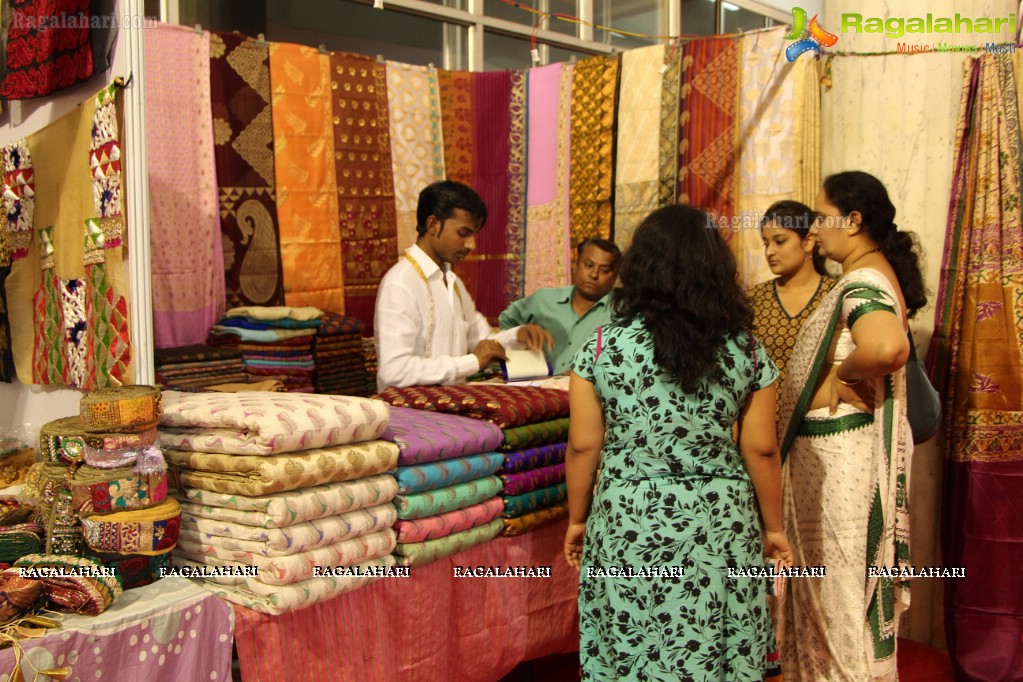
(674, 509)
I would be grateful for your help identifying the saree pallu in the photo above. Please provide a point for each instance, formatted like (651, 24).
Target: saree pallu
(365, 181)
(434, 502)
(86, 595)
(709, 134)
(292, 539)
(278, 510)
(149, 531)
(423, 553)
(267, 423)
(636, 155)
(48, 47)
(869, 510)
(277, 599)
(260, 475)
(533, 479)
(546, 185)
(498, 164)
(243, 139)
(976, 358)
(534, 519)
(417, 147)
(433, 527)
(503, 406)
(517, 505)
(68, 310)
(537, 433)
(306, 183)
(422, 477)
(534, 458)
(423, 436)
(591, 188)
(285, 570)
(186, 251)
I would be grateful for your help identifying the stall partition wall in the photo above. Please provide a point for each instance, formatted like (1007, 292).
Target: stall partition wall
(917, 97)
(35, 405)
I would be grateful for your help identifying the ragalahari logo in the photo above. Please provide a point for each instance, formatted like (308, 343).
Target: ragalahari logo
(807, 38)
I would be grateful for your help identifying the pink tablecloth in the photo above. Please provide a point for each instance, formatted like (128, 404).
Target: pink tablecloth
(169, 631)
(430, 626)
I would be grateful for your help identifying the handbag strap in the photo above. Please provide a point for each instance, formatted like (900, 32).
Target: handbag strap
(600, 342)
(912, 345)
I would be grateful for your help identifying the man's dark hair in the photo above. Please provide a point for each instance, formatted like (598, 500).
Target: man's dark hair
(442, 199)
(603, 245)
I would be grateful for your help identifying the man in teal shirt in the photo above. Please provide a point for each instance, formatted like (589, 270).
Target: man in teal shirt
(571, 313)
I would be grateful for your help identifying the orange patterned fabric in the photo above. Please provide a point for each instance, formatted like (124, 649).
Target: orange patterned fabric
(456, 108)
(365, 183)
(591, 187)
(709, 162)
(304, 169)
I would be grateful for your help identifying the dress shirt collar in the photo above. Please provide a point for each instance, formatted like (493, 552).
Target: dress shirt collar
(425, 262)
(570, 297)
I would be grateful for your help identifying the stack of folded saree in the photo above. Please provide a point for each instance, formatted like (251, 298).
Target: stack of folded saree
(275, 488)
(16, 456)
(533, 474)
(198, 366)
(118, 489)
(276, 342)
(534, 423)
(447, 492)
(337, 353)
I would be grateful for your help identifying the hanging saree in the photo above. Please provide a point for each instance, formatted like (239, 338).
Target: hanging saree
(186, 256)
(546, 227)
(456, 108)
(48, 47)
(636, 162)
(848, 513)
(304, 172)
(976, 358)
(493, 270)
(69, 316)
(365, 181)
(417, 144)
(6, 357)
(244, 152)
(591, 188)
(709, 136)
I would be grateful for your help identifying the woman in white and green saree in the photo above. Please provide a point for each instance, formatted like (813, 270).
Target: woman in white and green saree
(846, 443)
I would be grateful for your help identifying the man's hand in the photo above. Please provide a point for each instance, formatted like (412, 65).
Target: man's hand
(487, 351)
(534, 336)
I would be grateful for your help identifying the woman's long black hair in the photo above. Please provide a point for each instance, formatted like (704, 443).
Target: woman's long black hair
(679, 277)
(858, 191)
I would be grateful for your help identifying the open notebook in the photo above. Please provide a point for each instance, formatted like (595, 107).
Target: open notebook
(525, 364)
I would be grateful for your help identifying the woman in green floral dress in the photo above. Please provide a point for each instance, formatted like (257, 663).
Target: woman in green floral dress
(679, 506)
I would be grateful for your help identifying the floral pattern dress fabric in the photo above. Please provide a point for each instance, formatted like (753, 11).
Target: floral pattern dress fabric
(673, 492)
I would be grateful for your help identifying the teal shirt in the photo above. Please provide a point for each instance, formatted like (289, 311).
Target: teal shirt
(552, 310)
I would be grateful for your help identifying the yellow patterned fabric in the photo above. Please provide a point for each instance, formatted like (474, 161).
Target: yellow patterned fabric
(638, 138)
(417, 151)
(779, 149)
(130, 409)
(305, 176)
(594, 91)
(260, 475)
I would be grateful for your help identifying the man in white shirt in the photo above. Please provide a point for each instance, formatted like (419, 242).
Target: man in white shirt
(428, 330)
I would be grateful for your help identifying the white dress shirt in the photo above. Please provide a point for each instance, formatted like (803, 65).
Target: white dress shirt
(426, 330)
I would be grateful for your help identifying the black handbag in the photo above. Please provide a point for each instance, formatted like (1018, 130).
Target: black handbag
(923, 404)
